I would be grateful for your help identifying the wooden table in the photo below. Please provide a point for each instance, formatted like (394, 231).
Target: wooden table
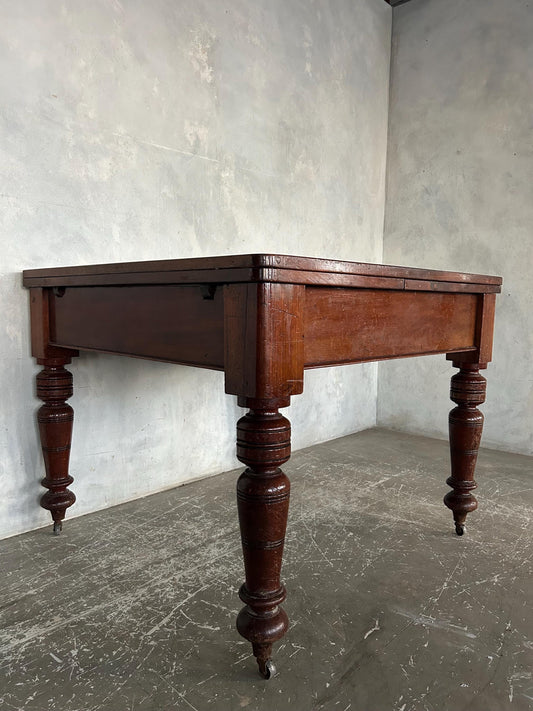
(262, 319)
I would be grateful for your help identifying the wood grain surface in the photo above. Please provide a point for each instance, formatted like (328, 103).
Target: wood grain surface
(348, 325)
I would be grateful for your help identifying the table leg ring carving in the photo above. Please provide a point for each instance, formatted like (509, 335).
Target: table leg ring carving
(55, 419)
(466, 426)
(263, 444)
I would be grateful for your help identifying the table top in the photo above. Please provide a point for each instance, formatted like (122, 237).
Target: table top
(278, 268)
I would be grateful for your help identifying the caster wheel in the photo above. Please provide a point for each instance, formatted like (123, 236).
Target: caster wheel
(459, 529)
(58, 527)
(268, 670)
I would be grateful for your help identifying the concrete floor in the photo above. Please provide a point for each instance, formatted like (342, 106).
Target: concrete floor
(133, 608)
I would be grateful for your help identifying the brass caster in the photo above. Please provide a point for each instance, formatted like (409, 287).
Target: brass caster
(58, 527)
(267, 669)
(459, 529)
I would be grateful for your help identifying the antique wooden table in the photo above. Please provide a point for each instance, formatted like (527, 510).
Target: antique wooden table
(262, 319)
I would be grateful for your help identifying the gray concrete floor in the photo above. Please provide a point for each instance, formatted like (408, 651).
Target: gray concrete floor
(133, 608)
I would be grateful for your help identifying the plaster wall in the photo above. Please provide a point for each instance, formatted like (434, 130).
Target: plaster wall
(133, 130)
(460, 195)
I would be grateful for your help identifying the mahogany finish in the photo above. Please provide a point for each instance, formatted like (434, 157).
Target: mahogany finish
(262, 318)
(389, 324)
(263, 351)
(263, 444)
(466, 425)
(92, 318)
(244, 268)
(55, 418)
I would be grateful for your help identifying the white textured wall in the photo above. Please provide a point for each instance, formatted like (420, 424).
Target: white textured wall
(143, 130)
(460, 195)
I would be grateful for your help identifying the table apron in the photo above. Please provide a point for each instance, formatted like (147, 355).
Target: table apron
(349, 326)
(185, 324)
(178, 324)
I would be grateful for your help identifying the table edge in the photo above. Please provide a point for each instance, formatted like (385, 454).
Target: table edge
(261, 267)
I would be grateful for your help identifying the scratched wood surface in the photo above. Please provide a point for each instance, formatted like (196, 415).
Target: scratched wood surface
(389, 609)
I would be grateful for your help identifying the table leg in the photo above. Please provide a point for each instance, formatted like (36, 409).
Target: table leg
(466, 425)
(263, 444)
(55, 418)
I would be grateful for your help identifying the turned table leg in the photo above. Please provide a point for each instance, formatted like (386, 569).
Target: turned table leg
(55, 418)
(466, 425)
(263, 444)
